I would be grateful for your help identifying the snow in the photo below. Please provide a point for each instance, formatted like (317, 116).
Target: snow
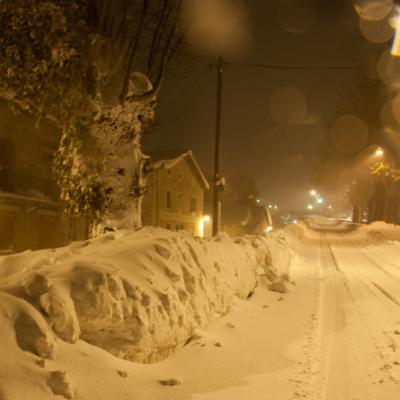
(70, 315)
(334, 334)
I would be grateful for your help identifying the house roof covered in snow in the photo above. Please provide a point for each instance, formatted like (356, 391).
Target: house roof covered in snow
(169, 158)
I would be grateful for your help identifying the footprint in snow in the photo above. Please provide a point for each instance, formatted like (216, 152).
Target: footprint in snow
(170, 382)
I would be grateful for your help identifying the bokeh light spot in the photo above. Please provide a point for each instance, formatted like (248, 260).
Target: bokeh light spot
(389, 69)
(297, 16)
(380, 31)
(373, 10)
(390, 114)
(349, 134)
(288, 106)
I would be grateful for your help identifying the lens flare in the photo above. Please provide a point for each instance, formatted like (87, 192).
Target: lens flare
(349, 134)
(389, 69)
(373, 10)
(395, 51)
(297, 16)
(288, 106)
(380, 31)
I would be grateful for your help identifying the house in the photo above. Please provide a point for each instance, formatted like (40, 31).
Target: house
(175, 192)
(31, 216)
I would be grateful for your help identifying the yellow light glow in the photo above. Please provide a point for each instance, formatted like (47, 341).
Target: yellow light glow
(202, 223)
(395, 51)
(269, 229)
(379, 152)
(313, 192)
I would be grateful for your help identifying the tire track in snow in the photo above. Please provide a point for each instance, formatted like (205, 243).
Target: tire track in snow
(374, 262)
(367, 284)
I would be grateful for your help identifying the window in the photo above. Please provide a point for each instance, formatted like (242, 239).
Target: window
(168, 199)
(193, 205)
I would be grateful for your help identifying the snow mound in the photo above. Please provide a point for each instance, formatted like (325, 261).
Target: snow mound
(138, 295)
(31, 332)
(294, 231)
(60, 384)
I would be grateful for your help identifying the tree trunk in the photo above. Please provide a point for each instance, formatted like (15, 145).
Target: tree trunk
(101, 169)
(356, 213)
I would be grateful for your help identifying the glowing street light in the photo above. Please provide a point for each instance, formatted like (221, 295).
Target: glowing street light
(270, 205)
(320, 200)
(313, 193)
(379, 152)
(310, 206)
(258, 201)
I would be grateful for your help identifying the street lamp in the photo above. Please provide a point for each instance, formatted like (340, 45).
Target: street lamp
(313, 193)
(379, 152)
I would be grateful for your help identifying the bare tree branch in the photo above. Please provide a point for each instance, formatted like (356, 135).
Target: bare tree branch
(133, 51)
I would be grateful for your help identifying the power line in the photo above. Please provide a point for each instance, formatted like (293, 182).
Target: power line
(296, 67)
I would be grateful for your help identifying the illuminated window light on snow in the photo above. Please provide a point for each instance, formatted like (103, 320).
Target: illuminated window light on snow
(201, 224)
(396, 40)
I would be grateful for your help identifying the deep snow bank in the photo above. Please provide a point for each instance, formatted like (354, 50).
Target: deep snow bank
(136, 294)
(380, 231)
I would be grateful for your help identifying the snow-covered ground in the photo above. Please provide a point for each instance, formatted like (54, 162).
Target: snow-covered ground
(335, 334)
(67, 314)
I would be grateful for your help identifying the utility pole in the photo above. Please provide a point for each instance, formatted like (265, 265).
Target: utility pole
(218, 180)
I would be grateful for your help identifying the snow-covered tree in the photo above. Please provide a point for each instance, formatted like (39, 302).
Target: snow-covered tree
(77, 63)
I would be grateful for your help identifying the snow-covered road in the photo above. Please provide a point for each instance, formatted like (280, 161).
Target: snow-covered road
(356, 332)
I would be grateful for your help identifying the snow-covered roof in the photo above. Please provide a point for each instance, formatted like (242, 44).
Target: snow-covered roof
(168, 159)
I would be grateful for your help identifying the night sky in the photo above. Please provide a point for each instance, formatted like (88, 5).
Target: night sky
(279, 157)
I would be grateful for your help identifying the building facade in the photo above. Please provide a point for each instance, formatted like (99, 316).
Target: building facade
(31, 216)
(175, 193)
